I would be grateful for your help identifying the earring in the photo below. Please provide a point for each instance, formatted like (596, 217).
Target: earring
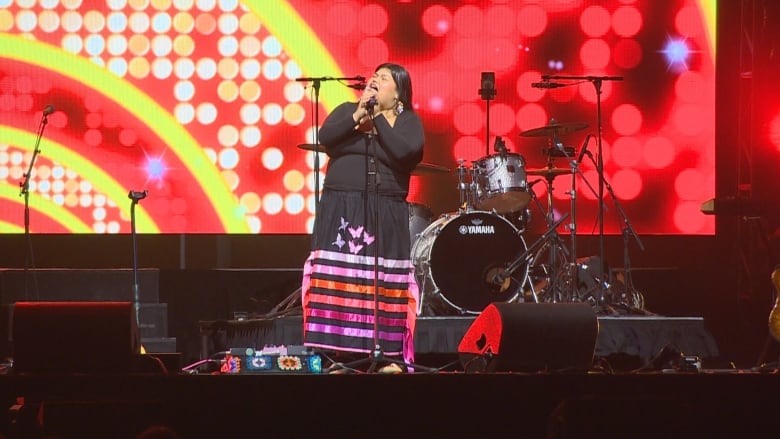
(399, 108)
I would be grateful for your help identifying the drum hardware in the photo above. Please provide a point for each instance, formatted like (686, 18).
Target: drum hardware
(630, 297)
(597, 82)
(523, 258)
(465, 188)
(457, 259)
(559, 287)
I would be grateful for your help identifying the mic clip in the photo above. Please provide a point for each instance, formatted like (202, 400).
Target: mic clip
(500, 146)
(137, 195)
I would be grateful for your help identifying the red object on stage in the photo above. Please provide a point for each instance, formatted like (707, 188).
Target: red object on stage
(530, 337)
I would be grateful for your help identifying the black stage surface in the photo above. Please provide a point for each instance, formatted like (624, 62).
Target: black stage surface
(640, 337)
(633, 405)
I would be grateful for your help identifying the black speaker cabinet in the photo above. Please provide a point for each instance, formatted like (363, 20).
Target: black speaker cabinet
(530, 337)
(73, 337)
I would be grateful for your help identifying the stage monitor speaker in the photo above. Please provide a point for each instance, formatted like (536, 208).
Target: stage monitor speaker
(73, 337)
(530, 337)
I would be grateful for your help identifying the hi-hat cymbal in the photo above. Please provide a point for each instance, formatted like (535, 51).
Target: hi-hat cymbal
(316, 147)
(424, 168)
(554, 128)
(549, 172)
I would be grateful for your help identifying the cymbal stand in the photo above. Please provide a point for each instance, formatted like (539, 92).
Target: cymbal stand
(597, 82)
(465, 189)
(572, 226)
(510, 268)
(557, 253)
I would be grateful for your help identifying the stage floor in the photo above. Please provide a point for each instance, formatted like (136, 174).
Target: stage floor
(642, 337)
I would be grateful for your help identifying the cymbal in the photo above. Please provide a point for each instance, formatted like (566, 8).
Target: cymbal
(554, 128)
(549, 172)
(316, 147)
(424, 168)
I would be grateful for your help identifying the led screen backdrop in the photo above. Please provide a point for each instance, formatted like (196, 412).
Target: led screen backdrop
(197, 102)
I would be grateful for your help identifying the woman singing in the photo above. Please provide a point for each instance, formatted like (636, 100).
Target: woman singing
(372, 145)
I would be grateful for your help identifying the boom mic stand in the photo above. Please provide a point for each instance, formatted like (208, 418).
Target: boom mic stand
(597, 82)
(636, 301)
(29, 257)
(288, 302)
(316, 82)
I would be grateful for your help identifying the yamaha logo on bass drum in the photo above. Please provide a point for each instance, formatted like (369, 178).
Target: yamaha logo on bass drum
(477, 228)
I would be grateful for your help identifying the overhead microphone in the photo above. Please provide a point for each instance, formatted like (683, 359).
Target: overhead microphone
(584, 149)
(48, 110)
(547, 84)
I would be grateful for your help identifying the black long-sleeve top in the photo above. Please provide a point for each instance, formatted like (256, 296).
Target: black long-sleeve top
(351, 151)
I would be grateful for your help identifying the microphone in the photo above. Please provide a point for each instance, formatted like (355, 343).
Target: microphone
(370, 104)
(584, 149)
(547, 84)
(358, 86)
(358, 78)
(500, 146)
(48, 110)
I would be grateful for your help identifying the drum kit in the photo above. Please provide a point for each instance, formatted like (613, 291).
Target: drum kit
(466, 259)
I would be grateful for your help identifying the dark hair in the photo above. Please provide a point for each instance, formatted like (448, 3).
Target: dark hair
(403, 83)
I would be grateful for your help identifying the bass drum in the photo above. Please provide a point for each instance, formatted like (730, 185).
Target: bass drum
(457, 259)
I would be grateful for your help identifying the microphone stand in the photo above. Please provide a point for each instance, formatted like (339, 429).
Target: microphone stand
(488, 93)
(628, 229)
(377, 356)
(597, 82)
(29, 257)
(288, 302)
(316, 82)
(135, 197)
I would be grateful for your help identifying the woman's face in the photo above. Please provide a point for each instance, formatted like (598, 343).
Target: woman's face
(383, 83)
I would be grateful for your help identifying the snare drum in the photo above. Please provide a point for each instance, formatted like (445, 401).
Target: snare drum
(502, 185)
(457, 258)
